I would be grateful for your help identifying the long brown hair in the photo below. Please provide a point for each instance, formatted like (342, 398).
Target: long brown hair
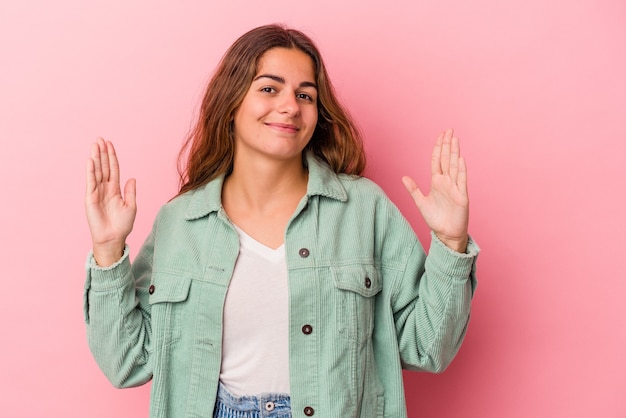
(209, 148)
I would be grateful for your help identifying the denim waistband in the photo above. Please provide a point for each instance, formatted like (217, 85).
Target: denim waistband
(274, 405)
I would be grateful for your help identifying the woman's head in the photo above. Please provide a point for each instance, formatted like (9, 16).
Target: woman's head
(210, 146)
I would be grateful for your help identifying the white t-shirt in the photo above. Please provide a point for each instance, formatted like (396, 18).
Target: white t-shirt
(255, 355)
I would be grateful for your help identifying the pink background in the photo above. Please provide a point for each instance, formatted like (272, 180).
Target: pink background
(534, 89)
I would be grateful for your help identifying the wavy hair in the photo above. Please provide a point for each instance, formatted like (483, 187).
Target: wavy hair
(208, 151)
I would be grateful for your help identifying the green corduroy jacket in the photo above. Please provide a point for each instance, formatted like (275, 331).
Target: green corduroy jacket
(364, 302)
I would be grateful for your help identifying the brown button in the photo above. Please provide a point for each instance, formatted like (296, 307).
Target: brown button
(368, 282)
(304, 252)
(307, 329)
(308, 411)
(151, 289)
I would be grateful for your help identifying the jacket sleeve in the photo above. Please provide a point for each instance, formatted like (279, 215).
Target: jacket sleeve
(117, 314)
(431, 300)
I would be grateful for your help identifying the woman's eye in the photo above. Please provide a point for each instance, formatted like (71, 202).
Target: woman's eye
(304, 96)
(268, 89)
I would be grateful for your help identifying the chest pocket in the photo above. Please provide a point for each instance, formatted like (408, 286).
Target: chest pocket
(357, 285)
(169, 306)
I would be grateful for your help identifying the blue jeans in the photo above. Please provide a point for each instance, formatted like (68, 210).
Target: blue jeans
(266, 405)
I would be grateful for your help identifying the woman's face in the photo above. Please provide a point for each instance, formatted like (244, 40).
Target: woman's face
(278, 114)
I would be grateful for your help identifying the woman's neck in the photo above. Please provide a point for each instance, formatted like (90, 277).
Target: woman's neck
(261, 182)
(261, 198)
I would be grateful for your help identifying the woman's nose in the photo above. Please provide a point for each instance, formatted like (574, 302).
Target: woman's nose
(289, 105)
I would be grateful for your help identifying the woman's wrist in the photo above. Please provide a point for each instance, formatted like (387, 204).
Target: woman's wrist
(108, 254)
(456, 244)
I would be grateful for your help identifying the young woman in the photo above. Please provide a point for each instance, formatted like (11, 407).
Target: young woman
(278, 282)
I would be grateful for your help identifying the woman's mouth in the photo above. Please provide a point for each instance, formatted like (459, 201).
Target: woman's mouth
(283, 127)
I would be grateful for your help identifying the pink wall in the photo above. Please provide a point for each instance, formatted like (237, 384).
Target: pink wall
(535, 90)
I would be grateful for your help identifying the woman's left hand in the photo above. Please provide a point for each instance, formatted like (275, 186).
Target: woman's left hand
(446, 208)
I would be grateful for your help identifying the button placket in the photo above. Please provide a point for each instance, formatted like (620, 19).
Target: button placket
(307, 329)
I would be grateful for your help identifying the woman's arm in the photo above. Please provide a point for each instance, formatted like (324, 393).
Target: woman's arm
(117, 312)
(118, 317)
(431, 302)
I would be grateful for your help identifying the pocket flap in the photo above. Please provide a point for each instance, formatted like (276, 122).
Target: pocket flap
(169, 288)
(360, 278)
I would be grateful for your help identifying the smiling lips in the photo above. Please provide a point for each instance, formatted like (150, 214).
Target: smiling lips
(283, 127)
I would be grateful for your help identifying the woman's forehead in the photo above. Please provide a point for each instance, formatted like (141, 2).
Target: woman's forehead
(286, 60)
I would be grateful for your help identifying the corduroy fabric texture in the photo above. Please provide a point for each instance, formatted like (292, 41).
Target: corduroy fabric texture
(364, 302)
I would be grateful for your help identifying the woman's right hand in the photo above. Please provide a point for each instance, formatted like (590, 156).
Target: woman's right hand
(109, 214)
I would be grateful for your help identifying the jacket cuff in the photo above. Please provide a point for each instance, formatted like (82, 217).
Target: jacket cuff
(110, 277)
(450, 262)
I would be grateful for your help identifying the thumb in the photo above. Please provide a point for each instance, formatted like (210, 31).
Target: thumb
(130, 193)
(413, 190)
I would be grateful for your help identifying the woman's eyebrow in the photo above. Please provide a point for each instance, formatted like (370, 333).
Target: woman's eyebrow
(281, 80)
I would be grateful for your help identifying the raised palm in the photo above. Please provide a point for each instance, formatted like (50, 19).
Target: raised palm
(446, 207)
(109, 214)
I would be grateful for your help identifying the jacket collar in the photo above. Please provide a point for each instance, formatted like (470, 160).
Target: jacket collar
(322, 182)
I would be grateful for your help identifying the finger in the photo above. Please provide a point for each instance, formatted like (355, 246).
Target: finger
(104, 160)
(409, 184)
(435, 162)
(95, 157)
(130, 193)
(462, 179)
(91, 176)
(114, 168)
(455, 153)
(445, 152)
(413, 190)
